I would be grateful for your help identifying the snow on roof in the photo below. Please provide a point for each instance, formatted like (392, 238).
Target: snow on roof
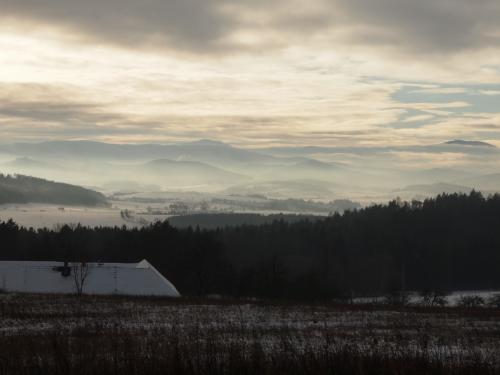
(14, 263)
(102, 278)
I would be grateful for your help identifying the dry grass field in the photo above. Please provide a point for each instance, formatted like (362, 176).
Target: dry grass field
(49, 334)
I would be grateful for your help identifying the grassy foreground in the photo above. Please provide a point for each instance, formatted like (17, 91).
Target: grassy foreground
(117, 335)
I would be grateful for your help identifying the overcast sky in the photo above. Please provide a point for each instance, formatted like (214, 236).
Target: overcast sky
(251, 72)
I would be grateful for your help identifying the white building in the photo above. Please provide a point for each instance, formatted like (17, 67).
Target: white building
(139, 279)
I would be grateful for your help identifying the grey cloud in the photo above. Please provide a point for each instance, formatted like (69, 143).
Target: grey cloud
(53, 112)
(62, 105)
(32, 110)
(59, 119)
(425, 25)
(206, 26)
(46, 112)
(187, 24)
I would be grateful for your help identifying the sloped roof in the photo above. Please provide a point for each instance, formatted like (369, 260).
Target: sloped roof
(15, 263)
(103, 278)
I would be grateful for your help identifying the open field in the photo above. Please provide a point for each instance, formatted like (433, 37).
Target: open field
(67, 334)
(51, 216)
(37, 215)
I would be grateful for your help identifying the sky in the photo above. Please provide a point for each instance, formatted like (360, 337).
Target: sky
(252, 73)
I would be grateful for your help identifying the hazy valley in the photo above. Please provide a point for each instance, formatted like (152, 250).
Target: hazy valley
(153, 181)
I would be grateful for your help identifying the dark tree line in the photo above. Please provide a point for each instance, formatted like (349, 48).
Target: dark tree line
(451, 242)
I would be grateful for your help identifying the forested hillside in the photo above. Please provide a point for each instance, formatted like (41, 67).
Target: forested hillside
(451, 242)
(214, 221)
(25, 189)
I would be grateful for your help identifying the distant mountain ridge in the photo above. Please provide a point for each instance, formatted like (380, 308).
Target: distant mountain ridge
(26, 189)
(203, 150)
(475, 147)
(461, 142)
(363, 172)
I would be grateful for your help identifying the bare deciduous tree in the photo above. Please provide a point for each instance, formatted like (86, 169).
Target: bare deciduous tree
(81, 272)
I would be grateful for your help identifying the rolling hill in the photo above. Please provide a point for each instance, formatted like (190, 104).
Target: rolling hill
(25, 189)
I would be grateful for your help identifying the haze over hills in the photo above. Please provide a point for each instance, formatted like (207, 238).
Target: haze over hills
(26, 162)
(434, 189)
(465, 146)
(190, 172)
(203, 150)
(302, 188)
(444, 174)
(362, 173)
(488, 182)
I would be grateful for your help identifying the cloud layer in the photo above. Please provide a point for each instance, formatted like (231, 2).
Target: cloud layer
(251, 72)
(209, 26)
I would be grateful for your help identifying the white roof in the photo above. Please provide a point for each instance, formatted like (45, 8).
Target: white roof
(103, 278)
(32, 263)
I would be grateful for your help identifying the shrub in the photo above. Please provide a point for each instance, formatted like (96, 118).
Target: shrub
(397, 298)
(471, 301)
(494, 301)
(431, 298)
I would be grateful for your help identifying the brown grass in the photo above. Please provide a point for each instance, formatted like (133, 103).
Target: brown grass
(121, 335)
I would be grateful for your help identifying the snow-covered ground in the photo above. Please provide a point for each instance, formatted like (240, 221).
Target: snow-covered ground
(451, 299)
(52, 216)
